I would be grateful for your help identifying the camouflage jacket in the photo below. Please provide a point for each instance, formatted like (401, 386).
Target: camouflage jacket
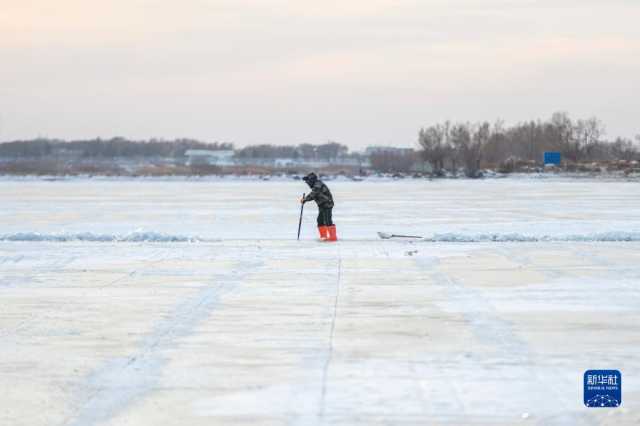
(321, 195)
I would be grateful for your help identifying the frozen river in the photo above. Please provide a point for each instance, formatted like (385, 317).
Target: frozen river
(508, 209)
(248, 326)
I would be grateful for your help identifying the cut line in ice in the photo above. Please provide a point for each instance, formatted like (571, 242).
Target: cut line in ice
(610, 236)
(133, 237)
(156, 237)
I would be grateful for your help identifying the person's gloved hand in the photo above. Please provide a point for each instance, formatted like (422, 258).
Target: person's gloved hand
(302, 200)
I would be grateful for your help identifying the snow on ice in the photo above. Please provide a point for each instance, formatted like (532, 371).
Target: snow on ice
(173, 302)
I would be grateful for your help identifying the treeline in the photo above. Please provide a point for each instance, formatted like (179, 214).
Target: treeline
(448, 147)
(309, 152)
(104, 148)
(123, 148)
(472, 146)
(393, 161)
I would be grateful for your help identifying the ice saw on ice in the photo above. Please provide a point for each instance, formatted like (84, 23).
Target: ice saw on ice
(386, 236)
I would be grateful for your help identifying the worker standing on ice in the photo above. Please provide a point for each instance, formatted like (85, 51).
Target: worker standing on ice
(322, 196)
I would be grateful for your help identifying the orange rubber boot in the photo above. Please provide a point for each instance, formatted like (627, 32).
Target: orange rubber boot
(324, 233)
(332, 233)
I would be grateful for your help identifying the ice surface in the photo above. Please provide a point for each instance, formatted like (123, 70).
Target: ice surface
(447, 210)
(191, 303)
(133, 237)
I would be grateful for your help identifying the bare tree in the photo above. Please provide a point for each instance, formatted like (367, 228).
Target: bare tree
(307, 151)
(434, 141)
(622, 149)
(473, 154)
(331, 151)
(587, 134)
(393, 161)
(460, 136)
(561, 134)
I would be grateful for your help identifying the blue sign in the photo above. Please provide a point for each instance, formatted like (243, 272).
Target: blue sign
(551, 157)
(602, 388)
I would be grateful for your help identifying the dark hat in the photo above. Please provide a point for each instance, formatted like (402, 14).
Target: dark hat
(311, 178)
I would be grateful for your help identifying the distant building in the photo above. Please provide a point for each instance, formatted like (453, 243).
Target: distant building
(283, 162)
(209, 157)
(370, 150)
(421, 166)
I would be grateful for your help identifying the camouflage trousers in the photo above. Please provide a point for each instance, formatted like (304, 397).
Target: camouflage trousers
(324, 217)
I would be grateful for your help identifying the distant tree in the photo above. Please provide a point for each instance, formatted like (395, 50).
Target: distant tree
(624, 149)
(392, 161)
(434, 141)
(498, 146)
(105, 148)
(28, 149)
(473, 154)
(307, 151)
(588, 135)
(561, 134)
(331, 150)
(460, 136)
(467, 144)
(472, 145)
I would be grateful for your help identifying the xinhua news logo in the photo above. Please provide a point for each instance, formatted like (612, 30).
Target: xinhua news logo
(602, 388)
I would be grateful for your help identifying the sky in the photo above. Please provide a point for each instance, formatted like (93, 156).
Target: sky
(359, 72)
